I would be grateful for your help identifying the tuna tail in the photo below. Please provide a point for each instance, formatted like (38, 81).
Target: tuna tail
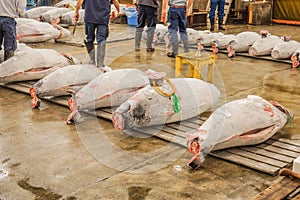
(295, 60)
(230, 50)
(73, 117)
(35, 102)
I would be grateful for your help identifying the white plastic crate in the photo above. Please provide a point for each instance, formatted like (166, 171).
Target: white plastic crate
(296, 165)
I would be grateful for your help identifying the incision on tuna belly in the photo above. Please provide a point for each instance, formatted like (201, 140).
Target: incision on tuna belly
(38, 69)
(31, 35)
(258, 131)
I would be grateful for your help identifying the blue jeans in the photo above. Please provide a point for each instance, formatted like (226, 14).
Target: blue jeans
(98, 31)
(8, 33)
(44, 3)
(177, 20)
(213, 6)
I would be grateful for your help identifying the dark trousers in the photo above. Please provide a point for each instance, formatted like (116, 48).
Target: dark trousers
(146, 15)
(8, 33)
(44, 3)
(96, 31)
(213, 6)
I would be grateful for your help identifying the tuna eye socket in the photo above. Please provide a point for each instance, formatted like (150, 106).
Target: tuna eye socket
(139, 112)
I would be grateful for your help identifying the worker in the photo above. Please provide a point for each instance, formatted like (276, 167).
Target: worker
(96, 18)
(177, 20)
(213, 6)
(9, 10)
(147, 14)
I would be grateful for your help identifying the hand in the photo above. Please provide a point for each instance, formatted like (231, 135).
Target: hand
(187, 12)
(76, 16)
(163, 16)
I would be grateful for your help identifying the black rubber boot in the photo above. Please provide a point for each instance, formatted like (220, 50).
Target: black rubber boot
(149, 41)
(221, 24)
(212, 24)
(101, 53)
(138, 37)
(174, 50)
(91, 51)
(8, 55)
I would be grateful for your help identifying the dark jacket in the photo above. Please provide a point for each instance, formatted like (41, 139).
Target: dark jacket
(97, 11)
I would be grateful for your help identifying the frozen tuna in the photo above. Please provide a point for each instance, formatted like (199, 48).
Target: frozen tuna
(63, 81)
(175, 100)
(223, 41)
(35, 13)
(32, 31)
(208, 38)
(52, 16)
(33, 64)
(68, 18)
(285, 49)
(66, 3)
(243, 41)
(109, 89)
(295, 58)
(264, 45)
(241, 122)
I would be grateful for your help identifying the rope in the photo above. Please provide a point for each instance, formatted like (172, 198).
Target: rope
(177, 107)
(163, 93)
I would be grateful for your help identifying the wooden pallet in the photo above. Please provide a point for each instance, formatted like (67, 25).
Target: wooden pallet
(268, 157)
(286, 188)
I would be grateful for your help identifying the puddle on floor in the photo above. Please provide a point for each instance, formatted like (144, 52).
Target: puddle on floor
(41, 193)
(138, 193)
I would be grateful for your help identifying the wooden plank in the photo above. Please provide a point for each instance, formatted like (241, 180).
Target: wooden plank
(279, 150)
(17, 88)
(223, 154)
(102, 114)
(283, 145)
(287, 141)
(160, 134)
(190, 124)
(269, 154)
(181, 127)
(257, 157)
(279, 190)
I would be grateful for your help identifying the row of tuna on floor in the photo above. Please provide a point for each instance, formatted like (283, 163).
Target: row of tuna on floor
(256, 44)
(141, 99)
(42, 25)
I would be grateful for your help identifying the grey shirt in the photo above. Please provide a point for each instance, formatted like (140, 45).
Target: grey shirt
(151, 3)
(12, 8)
(177, 2)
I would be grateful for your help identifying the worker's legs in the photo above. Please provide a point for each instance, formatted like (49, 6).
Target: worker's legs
(151, 24)
(182, 22)
(89, 42)
(101, 36)
(221, 5)
(140, 26)
(173, 31)
(8, 29)
(212, 11)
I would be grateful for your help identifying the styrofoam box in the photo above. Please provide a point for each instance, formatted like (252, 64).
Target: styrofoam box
(296, 165)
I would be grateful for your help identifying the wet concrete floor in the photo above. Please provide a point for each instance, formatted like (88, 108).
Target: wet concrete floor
(43, 158)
